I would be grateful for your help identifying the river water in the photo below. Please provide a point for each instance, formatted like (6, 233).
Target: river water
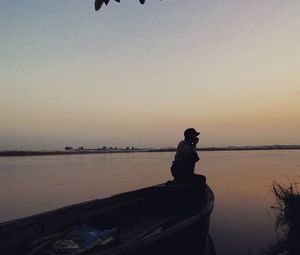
(242, 221)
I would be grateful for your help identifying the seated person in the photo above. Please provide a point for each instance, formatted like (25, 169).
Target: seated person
(186, 157)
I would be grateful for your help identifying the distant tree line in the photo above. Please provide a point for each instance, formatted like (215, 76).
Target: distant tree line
(110, 148)
(104, 148)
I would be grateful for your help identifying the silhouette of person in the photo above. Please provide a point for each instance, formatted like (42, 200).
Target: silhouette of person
(186, 157)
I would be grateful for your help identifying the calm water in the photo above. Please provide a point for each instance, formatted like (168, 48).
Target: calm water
(242, 221)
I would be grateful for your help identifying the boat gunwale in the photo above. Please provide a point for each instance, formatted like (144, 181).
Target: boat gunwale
(92, 202)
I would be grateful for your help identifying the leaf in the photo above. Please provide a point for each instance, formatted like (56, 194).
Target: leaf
(98, 4)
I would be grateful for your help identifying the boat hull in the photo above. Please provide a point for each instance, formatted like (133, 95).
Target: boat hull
(186, 236)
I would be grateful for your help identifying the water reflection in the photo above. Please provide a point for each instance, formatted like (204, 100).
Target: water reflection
(242, 182)
(241, 221)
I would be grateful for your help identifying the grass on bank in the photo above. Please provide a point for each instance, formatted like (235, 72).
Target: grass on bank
(287, 209)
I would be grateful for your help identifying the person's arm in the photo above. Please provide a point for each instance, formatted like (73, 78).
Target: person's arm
(185, 152)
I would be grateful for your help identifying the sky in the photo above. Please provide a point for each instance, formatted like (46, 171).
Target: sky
(133, 75)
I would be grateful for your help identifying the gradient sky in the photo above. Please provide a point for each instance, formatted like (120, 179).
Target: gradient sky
(139, 75)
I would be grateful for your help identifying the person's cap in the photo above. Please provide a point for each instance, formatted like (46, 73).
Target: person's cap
(191, 132)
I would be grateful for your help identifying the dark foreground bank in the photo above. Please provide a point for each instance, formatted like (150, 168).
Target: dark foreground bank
(287, 209)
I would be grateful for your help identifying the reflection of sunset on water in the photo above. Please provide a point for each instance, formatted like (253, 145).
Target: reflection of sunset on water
(241, 181)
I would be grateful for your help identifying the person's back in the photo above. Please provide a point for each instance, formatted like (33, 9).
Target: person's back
(186, 157)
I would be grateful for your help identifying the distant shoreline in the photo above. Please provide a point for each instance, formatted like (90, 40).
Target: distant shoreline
(21, 153)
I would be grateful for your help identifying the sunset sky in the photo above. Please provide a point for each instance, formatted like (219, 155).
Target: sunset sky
(132, 75)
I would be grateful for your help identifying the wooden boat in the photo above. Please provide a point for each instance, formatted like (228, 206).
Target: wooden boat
(161, 219)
